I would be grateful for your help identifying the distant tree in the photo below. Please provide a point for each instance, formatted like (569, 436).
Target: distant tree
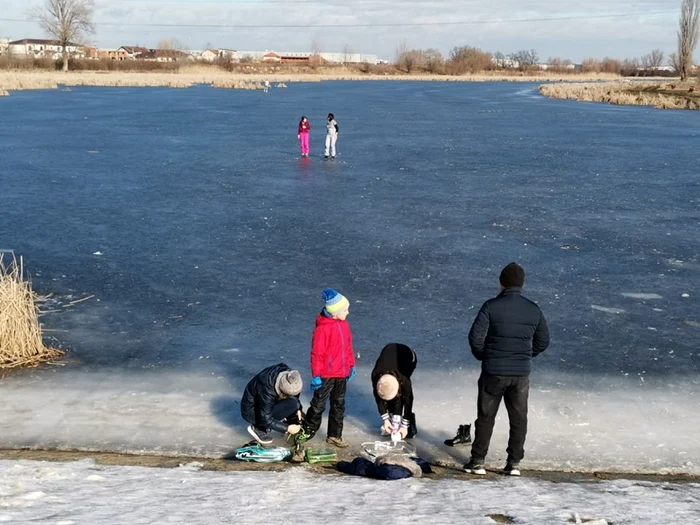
(630, 67)
(525, 58)
(347, 54)
(407, 59)
(433, 62)
(674, 62)
(467, 59)
(610, 65)
(171, 44)
(590, 65)
(687, 35)
(653, 60)
(316, 46)
(558, 64)
(68, 21)
(500, 60)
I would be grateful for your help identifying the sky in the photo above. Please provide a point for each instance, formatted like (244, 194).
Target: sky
(574, 30)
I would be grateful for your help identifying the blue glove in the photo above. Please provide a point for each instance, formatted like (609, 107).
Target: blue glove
(316, 383)
(352, 373)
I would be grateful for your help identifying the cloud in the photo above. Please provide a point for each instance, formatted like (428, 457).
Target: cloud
(491, 26)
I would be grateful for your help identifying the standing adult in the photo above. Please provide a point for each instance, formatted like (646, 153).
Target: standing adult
(507, 333)
(393, 391)
(332, 130)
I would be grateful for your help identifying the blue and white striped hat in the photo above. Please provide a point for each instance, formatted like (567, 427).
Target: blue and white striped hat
(336, 303)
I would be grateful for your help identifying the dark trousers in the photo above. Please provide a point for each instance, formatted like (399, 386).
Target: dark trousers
(335, 389)
(284, 410)
(514, 391)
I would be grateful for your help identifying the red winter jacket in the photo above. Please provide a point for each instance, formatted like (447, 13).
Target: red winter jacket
(304, 127)
(331, 348)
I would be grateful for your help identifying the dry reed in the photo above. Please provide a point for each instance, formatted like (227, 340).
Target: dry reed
(658, 95)
(190, 75)
(21, 343)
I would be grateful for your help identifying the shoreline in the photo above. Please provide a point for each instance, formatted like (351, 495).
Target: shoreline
(21, 80)
(225, 465)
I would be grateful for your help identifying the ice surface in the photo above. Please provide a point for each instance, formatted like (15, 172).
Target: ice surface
(216, 240)
(82, 492)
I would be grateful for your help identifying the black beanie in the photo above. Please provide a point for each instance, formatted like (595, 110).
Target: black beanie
(512, 275)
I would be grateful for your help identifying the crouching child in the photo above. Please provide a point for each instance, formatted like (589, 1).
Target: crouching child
(271, 403)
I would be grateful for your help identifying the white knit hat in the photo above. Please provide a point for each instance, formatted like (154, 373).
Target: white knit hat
(387, 387)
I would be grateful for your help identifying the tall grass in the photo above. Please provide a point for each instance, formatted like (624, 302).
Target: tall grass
(658, 95)
(21, 342)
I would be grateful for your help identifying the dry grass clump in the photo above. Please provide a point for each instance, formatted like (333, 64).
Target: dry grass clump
(20, 334)
(4, 93)
(662, 96)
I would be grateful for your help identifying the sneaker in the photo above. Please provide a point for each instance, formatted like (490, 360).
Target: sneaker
(475, 467)
(325, 157)
(512, 469)
(463, 437)
(337, 442)
(261, 436)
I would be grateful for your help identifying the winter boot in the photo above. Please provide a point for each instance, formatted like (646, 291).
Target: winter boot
(463, 437)
(412, 429)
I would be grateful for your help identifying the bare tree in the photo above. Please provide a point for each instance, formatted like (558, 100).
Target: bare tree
(525, 58)
(433, 61)
(68, 21)
(653, 60)
(675, 63)
(406, 59)
(171, 44)
(347, 53)
(687, 35)
(316, 46)
(467, 59)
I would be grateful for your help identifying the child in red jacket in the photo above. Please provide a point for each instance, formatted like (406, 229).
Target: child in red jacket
(303, 136)
(332, 366)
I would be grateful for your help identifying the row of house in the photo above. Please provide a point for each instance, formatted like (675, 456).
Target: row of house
(37, 48)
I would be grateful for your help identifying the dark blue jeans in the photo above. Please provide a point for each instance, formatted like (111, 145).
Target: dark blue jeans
(284, 410)
(514, 391)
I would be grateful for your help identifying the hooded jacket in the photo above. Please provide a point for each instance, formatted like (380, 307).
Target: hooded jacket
(260, 397)
(332, 355)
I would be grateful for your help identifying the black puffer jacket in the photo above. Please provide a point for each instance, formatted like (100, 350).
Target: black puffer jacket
(507, 333)
(400, 361)
(260, 398)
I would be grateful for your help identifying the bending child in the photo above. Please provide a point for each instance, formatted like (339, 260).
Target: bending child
(393, 391)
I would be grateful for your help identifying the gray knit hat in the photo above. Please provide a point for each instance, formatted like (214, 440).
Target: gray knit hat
(290, 383)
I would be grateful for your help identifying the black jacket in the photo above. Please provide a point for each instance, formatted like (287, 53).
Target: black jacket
(260, 398)
(507, 333)
(400, 361)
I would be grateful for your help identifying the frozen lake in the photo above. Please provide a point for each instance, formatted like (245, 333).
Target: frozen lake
(206, 242)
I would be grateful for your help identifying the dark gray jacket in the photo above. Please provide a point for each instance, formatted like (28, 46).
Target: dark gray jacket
(260, 397)
(507, 333)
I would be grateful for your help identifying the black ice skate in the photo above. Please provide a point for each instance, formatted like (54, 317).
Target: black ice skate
(462, 438)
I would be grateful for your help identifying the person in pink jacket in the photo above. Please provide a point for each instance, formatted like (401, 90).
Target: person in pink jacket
(332, 366)
(303, 136)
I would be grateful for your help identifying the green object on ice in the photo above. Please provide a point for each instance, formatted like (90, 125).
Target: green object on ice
(320, 455)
